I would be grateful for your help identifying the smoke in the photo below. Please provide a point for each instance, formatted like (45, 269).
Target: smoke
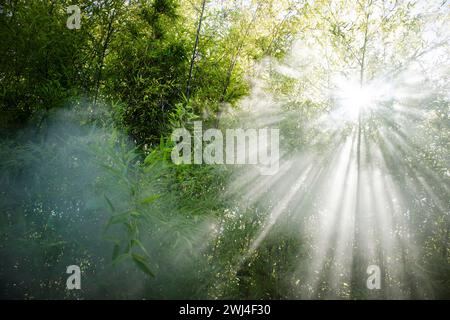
(60, 186)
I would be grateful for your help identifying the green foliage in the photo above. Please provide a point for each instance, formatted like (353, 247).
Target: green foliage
(39, 59)
(94, 185)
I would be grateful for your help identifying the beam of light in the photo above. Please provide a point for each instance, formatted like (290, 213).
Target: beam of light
(330, 180)
(315, 192)
(282, 205)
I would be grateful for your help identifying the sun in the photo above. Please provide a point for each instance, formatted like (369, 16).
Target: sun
(358, 97)
(353, 98)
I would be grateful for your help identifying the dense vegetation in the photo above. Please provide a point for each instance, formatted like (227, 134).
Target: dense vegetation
(86, 176)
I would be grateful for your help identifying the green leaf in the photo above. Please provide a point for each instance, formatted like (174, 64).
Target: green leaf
(109, 203)
(131, 228)
(120, 258)
(136, 242)
(150, 199)
(136, 214)
(142, 264)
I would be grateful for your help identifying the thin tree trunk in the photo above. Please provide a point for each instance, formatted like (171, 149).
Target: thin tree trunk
(103, 56)
(233, 64)
(194, 51)
(358, 261)
(445, 242)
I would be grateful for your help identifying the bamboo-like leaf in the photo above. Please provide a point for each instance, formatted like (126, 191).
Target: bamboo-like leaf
(142, 264)
(109, 203)
(136, 242)
(120, 258)
(150, 199)
(136, 214)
